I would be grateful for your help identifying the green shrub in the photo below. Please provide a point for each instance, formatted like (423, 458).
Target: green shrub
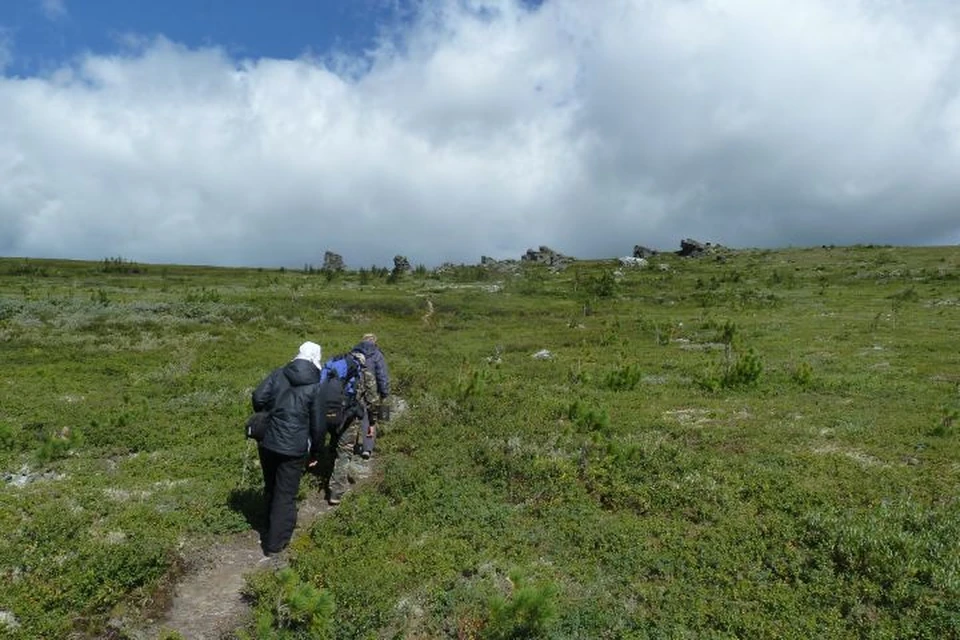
(779, 279)
(25, 268)
(8, 435)
(727, 333)
(527, 613)
(738, 371)
(471, 383)
(625, 378)
(464, 273)
(288, 608)
(588, 419)
(947, 424)
(745, 371)
(120, 265)
(532, 281)
(897, 561)
(59, 444)
(202, 295)
(907, 295)
(756, 299)
(100, 297)
(578, 375)
(803, 375)
(603, 286)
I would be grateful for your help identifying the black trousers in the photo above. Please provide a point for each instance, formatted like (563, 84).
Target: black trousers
(281, 482)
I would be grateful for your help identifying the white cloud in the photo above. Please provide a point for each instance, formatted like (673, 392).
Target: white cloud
(54, 9)
(484, 127)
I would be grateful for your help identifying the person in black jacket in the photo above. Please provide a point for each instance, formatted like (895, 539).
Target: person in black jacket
(296, 430)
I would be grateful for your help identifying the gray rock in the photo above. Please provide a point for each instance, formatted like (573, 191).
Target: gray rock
(504, 266)
(401, 265)
(546, 255)
(25, 476)
(632, 262)
(332, 261)
(690, 248)
(9, 621)
(643, 252)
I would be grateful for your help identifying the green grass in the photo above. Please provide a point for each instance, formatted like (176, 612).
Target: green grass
(760, 447)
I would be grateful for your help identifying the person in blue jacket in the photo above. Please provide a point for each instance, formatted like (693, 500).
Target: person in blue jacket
(375, 363)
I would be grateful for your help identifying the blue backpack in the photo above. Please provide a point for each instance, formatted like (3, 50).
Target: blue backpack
(346, 369)
(359, 383)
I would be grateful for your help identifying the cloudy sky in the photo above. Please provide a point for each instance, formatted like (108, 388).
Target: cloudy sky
(242, 132)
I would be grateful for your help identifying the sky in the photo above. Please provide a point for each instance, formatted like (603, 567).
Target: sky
(248, 133)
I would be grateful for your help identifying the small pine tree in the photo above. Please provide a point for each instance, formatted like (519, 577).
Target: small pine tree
(527, 613)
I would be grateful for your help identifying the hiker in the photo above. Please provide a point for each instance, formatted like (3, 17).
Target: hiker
(296, 430)
(379, 391)
(343, 448)
(345, 371)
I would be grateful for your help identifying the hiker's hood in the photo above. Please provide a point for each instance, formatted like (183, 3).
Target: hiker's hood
(310, 351)
(301, 372)
(368, 349)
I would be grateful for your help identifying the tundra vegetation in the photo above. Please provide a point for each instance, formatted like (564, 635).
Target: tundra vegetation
(764, 446)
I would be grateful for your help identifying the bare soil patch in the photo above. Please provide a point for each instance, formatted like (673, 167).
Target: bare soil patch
(207, 602)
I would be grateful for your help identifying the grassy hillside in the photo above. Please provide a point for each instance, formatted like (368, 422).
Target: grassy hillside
(764, 446)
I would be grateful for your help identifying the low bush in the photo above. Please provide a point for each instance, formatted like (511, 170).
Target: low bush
(290, 609)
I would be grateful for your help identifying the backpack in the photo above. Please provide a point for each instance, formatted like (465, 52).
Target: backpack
(333, 402)
(359, 382)
(365, 388)
(257, 425)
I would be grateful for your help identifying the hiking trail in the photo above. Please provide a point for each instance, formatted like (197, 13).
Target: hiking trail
(207, 601)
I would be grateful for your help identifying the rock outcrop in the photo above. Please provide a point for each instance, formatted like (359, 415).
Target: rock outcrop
(546, 255)
(632, 262)
(690, 248)
(643, 252)
(401, 265)
(333, 261)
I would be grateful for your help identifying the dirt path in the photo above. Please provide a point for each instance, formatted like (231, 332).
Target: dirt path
(207, 603)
